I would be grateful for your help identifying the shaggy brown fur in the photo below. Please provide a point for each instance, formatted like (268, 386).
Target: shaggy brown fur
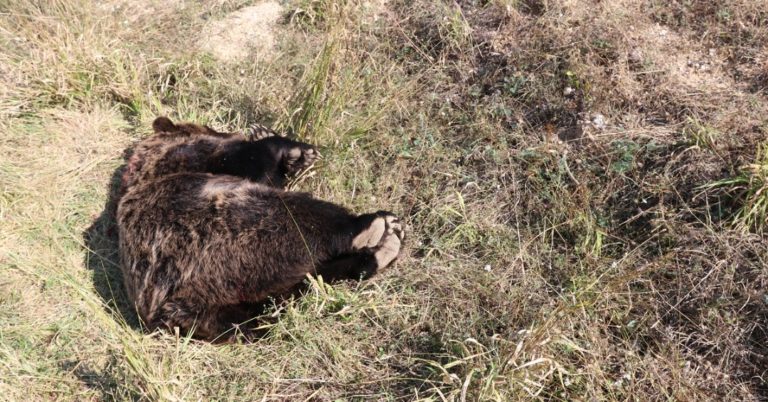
(205, 227)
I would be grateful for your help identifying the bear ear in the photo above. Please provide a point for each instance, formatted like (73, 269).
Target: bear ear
(163, 124)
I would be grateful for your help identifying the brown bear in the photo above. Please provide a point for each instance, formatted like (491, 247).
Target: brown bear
(205, 226)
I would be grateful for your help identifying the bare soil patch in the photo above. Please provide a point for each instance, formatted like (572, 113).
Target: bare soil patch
(248, 31)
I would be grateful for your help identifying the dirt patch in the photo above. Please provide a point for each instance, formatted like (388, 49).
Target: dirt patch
(247, 31)
(686, 65)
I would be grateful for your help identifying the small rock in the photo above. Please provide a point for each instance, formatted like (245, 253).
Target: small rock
(568, 91)
(487, 268)
(598, 121)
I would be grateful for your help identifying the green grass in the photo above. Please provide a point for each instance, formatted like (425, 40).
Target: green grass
(750, 188)
(546, 258)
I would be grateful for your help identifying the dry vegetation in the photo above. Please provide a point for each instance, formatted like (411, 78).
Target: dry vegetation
(585, 183)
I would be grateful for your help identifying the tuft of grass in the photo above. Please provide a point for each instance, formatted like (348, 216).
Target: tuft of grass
(312, 107)
(750, 188)
(323, 14)
(701, 135)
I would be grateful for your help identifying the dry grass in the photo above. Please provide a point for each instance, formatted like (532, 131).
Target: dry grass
(570, 171)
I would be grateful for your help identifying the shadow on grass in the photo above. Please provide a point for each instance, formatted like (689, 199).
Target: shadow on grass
(106, 382)
(102, 257)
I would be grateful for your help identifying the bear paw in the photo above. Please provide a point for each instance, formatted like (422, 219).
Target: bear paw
(383, 237)
(300, 157)
(389, 247)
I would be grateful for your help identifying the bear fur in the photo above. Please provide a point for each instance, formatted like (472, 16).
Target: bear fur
(206, 227)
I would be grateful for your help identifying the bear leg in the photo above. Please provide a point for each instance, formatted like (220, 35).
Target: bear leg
(267, 161)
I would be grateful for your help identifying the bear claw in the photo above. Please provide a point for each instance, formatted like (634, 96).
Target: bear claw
(256, 132)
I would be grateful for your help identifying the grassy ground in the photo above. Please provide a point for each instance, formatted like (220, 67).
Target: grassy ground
(584, 184)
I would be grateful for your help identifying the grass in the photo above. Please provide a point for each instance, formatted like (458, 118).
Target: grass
(569, 172)
(752, 188)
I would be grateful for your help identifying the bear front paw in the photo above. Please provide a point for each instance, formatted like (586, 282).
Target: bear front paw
(300, 157)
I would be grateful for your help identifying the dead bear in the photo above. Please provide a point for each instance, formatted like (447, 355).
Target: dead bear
(205, 225)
